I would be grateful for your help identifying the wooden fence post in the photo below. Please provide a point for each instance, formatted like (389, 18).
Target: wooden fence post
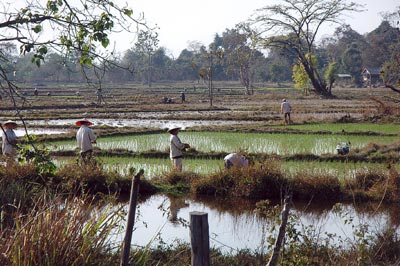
(199, 238)
(282, 230)
(126, 244)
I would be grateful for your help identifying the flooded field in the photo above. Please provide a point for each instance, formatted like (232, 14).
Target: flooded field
(137, 122)
(234, 225)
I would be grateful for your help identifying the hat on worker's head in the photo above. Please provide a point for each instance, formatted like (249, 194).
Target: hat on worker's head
(9, 122)
(172, 128)
(83, 121)
(283, 100)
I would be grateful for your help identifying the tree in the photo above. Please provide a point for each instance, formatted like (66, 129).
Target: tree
(298, 22)
(352, 63)
(391, 68)
(80, 29)
(239, 44)
(330, 74)
(147, 44)
(379, 42)
(206, 66)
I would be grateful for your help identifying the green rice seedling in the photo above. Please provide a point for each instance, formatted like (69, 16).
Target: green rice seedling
(341, 170)
(281, 144)
(361, 128)
(152, 166)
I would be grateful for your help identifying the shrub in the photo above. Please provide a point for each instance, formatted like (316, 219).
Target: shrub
(263, 180)
(316, 186)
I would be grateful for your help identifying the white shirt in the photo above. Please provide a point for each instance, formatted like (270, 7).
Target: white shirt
(176, 147)
(285, 107)
(84, 138)
(7, 147)
(237, 159)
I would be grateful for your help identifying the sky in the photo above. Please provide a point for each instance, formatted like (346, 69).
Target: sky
(181, 21)
(184, 21)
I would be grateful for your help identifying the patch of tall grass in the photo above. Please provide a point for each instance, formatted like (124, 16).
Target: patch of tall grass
(60, 232)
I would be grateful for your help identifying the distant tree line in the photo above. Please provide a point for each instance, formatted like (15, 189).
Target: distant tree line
(241, 57)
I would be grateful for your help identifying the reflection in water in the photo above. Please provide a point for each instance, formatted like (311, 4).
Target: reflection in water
(234, 225)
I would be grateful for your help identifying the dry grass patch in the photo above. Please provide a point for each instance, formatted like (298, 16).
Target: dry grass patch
(263, 180)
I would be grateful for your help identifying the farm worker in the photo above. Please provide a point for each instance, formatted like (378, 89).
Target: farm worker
(183, 97)
(99, 95)
(85, 138)
(235, 160)
(176, 148)
(286, 109)
(9, 140)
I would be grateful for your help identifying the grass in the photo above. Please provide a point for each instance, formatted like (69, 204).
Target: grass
(152, 166)
(281, 144)
(60, 232)
(361, 128)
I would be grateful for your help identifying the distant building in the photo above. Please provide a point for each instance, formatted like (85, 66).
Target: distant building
(371, 77)
(344, 80)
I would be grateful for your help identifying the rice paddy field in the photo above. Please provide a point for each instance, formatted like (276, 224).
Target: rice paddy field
(270, 143)
(159, 166)
(134, 119)
(236, 123)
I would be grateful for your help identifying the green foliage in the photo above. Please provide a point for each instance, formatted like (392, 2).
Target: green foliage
(352, 62)
(38, 156)
(331, 72)
(300, 77)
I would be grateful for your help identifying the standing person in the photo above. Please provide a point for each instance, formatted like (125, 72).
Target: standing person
(99, 95)
(176, 149)
(286, 109)
(85, 138)
(9, 140)
(183, 97)
(235, 160)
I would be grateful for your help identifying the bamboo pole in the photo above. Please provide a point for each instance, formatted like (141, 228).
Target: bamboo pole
(126, 244)
(199, 238)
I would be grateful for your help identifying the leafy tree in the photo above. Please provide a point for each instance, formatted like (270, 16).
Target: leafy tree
(301, 21)
(379, 42)
(352, 62)
(300, 76)
(391, 68)
(184, 65)
(330, 74)
(78, 28)
(147, 44)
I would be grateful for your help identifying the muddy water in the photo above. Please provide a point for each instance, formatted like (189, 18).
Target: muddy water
(46, 131)
(233, 225)
(139, 123)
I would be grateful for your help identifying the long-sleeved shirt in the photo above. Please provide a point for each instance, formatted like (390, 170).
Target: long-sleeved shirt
(84, 138)
(176, 147)
(237, 159)
(285, 107)
(8, 142)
